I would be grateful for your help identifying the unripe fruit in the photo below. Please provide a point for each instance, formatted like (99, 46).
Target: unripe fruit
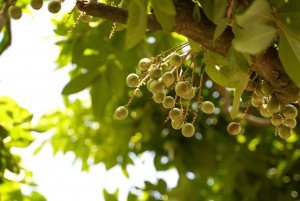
(144, 63)
(148, 84)
(168, 102)
(277, 119)
(132, 80)
(155, 73)
(86, 18)
(290, 111)
(176, 114)
(234, 128)
(175, 59)
(190, 87)
(208, 107)
(267, 88)
(258, 91)
(190, 95)
(36, 4)
(285, 131)
(181, 88)
(121, 112)
(188, 130)
(177, 124)
(251, 85)
(15, 12)
(167, 78)
(158, 98)
(257, 98)
(54, 6)
(157, 87)
(264, 112)
(291, 122)
(273, 106)
(255, 103)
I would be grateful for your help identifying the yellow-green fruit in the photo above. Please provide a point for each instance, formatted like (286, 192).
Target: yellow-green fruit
(168, 102)
(190, 95)
(158, 98)
(15, 12)
(54, 6)
(86, 18)
(258, 91)
(144, 63)
(36, 4)
(290, 111)
(285, 131)
(181, 88)
(121, 112)
(273, 106)
(277, 119)
(155, 73)
(257, 98)
(208, 107)
(188, 130)
(255, 103)
(148, 84)
(251, 85)
(291, 122)
(132, 80)
(176, 114)
(267, 88)
(264, 112)
(190, 87)
(167, 78)
(175, 59)
(234, 128)
(177, 124)
(157, 87)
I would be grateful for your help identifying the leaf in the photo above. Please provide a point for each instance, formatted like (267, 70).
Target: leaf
(194, 46)
(196, 13)
(6, 39)
(289, 51)
(39, 148)
(78, 49)
(290, 13)
(259, 12)
(110, 197)
(136, 22)
(208, 8)
(220, 7)
(254, 39)
(238, 94)
(166, 20)
(222, 25)
(237, 61)
(165, 6)
(80, 82)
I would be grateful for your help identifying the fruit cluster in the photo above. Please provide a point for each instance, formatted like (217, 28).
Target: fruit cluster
(161, 82)
(282, 116)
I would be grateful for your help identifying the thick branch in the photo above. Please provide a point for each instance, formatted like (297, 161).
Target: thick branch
(202, 32)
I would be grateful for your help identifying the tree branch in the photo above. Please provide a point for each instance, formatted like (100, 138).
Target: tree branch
(202, 32)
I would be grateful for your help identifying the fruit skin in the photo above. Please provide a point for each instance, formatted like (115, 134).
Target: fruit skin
(177, 124)
(132, 80)
(176, 114)
(290, 111)
(121, 112)
(181, 88)
(54, 6)
(86, 18)
(175, 59)
(36, 4)
(155, 73)
(285, 131)
(277, 119)
(234, 128)
(273, 106)
(190, 95)
(144, 63)
(168, 102)
(267, 88)
(258, 91)
(208, 107)
(264, 112)
(167, 78)
(158, 98)
(157, 87)
(291, 122)
(15, 12)
(188, 130)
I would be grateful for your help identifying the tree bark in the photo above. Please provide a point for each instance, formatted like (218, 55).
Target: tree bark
(202, 32)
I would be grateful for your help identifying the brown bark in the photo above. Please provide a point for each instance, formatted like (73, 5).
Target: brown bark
(202, 32)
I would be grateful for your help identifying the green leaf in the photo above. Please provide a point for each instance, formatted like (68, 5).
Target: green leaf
(39, 148)
(237, 61)
(220, 7)
(208, 8)
(289, 51)
(258, 12)
(165, 6)
(194, 46)
(110, 197)
(196, 13)
(78, 48)
(166, 20)
(5, 42)
(132, 197)
(238, 94)
(80, 82)
(254, 39)
(222, 25)
(136, 22)
(290, 13)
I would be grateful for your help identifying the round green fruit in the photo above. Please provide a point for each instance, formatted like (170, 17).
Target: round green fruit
(176, 114)
(175, 59)
(36, 4)
(255, 103)
(121, 112)
(258, 91)
(144, 63)
(158, 98)
(157, 87)
(15, 12)
(234, 128)
(264, 112)
(132, 80)
(148, 84)
(190, 95)
(177, 124)
(54, 6)
(188, 130)
(167, 78)
(86, 18)
(273, 106)
(290, 111)
(208, 107)
(285, 131)
(155, 73)
(168, 102)
(181, 88)
(277, 119)
(291, 122)
(267, 88)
